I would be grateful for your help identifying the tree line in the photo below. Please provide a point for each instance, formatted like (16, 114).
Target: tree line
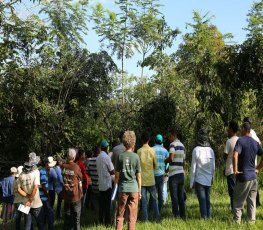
(54, 93)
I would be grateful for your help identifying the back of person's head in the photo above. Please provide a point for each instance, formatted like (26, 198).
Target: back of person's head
(145, 137)
(159, 139)
(71, 155)
(173, 131)
(233, 126)
(129, 139)
(248, 120)
(80, 154)
(104, 145)
(97, 150)
(121, 135)
(245, 128)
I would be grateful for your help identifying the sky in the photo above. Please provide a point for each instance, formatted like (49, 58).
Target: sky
(229, 16)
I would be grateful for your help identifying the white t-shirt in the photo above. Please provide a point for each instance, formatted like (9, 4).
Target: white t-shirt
(254, 136)
(229, 149)
(104, 167)
(26, 182)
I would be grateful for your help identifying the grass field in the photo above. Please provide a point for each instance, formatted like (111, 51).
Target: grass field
(222, 217)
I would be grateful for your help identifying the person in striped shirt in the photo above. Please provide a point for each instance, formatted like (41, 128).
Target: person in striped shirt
(93, 174)
(176, 161)
(161, 154)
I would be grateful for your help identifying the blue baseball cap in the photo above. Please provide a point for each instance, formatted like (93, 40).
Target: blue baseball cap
(104, 144)
(159, 138)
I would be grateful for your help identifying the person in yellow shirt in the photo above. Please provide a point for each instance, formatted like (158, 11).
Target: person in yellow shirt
(148, 165)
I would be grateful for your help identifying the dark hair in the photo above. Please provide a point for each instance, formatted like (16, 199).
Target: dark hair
(121, 135)
(145, 137)
(246, 127)
(248, 120)
(173, 131)
(80, 153)
(233, 125)
(104, 149)
(158, 142)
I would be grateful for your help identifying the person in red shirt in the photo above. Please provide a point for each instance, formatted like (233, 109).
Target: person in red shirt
(80, 161)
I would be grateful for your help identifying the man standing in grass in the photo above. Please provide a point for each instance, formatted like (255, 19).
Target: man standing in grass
(105, 171)
(161, 154)
(128, 179)
(176, 161)
(245, 189)
(148, 165)
(228, 156)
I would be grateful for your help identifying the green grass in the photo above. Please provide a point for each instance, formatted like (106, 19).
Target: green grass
(222, 217)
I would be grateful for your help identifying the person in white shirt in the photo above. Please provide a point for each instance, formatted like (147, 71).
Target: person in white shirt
(202, 172)
(228, 156)
(105, 171)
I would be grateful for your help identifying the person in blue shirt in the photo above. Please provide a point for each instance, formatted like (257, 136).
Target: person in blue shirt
(245, 171)
(48, 163)
(52, 180)
(8, 196)
(159, 173)
(59, 185)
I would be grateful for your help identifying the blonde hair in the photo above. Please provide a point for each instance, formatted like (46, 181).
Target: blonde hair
(129, 139)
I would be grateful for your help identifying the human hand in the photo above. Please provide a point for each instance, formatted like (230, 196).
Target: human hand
(28, 203)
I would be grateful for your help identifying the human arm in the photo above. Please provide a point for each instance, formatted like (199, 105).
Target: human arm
(154, 161)
(32, 195)
(139, 182)
(235, 163)
(193, 169)
(260, 153)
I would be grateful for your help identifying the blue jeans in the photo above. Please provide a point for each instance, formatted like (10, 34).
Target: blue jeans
(48, 213)
(203, 195)
(231, 181)
(72, 215)
(152, 191)
(159, 183)
(18, 215)
(176, 186)
(38, 215)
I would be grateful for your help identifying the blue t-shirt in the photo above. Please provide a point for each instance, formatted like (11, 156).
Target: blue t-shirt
(247, 149)
(7, 189)
(43, 182)
(52, 179)
(161, 154)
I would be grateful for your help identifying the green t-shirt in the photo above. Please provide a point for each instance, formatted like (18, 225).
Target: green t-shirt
(128, 165)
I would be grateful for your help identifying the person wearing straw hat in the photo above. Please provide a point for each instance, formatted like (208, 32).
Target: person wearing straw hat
(48, 163)
(8, 196)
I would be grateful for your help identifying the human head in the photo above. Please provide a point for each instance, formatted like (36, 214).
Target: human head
(245, 129)
(80, 155)
(19, 170)
(159, 139)
(202, 138)
(129, 139)
(248, 120)
(59, 161)
(172, 134)
(121, 135)
(49, 162)
(13, 171)
(145, 137)
(104, 145)
(71, 155)
(232, 129)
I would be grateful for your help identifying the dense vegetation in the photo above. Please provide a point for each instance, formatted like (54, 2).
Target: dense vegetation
(54, 93)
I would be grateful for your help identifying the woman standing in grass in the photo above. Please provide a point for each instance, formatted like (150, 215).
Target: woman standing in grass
(128, 179)
(202, 172)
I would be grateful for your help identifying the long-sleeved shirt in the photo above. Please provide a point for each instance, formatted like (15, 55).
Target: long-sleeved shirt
(148, 164)
(203, 166)
(84, 174)
(59, 183)
(52, 179)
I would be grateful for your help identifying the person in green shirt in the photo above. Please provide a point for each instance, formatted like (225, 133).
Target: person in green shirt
(128, 179)
(148, 163)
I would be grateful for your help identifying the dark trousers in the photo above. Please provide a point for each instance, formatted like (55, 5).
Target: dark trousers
(88, 197)
(231, 181)
(203, 195)
(59, 203)
(38, 215)
(72, 213)
(49, 215)
(176, 186)
(52, 197)
(105, 205)
(18, 215)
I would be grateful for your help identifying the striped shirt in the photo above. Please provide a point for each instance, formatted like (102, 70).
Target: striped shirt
(93, 173)
(178, 149)
(161, 154)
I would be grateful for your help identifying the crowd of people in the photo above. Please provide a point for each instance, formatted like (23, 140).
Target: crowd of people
(116, 184)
